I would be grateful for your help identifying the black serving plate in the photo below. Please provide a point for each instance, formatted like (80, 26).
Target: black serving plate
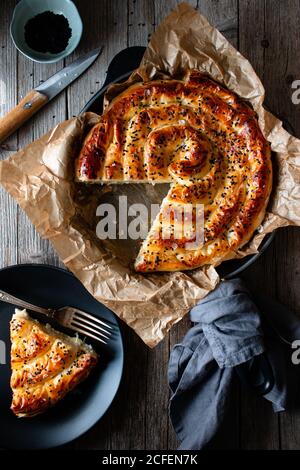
(52, 287)
(120, 68)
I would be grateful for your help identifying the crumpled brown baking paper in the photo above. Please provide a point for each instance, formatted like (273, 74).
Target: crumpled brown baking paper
(40, 178)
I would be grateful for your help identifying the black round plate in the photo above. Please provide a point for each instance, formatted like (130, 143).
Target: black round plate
(85, 405)
(120, 68)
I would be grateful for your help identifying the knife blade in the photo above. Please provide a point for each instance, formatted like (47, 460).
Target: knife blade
(42, 94)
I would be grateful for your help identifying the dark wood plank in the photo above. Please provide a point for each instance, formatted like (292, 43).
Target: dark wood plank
(8, 96)
(129, 419)
(264, 40)
(287, 288)
(163, 8)
(31, 248)
(259, 425)
(252, 33)
(223, 14)
(282, 65)
(157, 396)
(105, 24)
(141, 21)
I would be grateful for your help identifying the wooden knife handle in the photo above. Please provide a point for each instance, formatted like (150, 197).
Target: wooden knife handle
(14, 119)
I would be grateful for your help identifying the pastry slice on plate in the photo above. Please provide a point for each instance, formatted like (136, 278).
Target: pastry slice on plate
(45, 363)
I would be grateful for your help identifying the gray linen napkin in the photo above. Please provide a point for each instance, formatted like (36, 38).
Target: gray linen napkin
(229, 331)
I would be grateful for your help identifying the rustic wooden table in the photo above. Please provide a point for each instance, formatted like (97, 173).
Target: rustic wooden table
(266, 32)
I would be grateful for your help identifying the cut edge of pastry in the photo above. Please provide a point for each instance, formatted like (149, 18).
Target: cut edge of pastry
(72, 340)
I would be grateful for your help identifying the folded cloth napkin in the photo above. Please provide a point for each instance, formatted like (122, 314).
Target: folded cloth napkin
(230, 330)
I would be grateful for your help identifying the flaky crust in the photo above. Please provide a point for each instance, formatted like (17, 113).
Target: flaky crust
(207, 143)
(45, 364)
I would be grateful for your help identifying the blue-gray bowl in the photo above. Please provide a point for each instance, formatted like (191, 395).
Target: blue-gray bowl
(27, 9)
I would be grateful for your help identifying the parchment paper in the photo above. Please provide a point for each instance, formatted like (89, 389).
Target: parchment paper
(40, 177)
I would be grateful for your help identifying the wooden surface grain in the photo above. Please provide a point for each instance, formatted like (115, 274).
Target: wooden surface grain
(267, 33)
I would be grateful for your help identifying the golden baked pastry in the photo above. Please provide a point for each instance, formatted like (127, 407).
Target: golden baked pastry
(205, 141)
(45, 364)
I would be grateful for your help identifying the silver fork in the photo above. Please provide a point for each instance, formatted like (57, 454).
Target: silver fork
(70, 317)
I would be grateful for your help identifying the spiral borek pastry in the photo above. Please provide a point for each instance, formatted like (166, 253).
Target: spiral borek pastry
(205, 141)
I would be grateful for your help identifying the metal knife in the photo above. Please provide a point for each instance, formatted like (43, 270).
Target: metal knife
(37, 98)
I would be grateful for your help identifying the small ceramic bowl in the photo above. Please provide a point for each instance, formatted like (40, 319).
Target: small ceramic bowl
(27, 9)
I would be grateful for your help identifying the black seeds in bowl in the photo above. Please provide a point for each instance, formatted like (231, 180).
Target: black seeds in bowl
(48, 32)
